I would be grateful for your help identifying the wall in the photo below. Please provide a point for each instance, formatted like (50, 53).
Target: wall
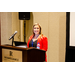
(21, 30)
(57, 36)
(62, 36)
(16, 25)
(6, 27)
(9, 24)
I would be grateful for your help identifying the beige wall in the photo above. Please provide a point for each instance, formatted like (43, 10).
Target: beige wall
(53, 26)
(9, 24)
(57, 36)
(6, 27)
(16, 25)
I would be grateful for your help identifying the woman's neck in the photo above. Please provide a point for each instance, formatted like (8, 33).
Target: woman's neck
(36, 35)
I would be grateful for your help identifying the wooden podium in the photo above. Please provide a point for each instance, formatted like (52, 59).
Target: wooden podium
(17, 54)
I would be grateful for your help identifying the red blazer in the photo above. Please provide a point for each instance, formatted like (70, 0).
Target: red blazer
(42, 40)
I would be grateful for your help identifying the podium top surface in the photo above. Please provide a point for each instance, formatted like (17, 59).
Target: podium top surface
(18, 48)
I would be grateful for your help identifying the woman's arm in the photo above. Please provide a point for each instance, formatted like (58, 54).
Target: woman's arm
(28, 44)
(45, 43)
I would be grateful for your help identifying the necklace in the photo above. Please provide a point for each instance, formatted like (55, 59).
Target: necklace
(36, 37)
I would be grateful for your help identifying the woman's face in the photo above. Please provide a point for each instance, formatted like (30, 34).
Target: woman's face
(36, 29)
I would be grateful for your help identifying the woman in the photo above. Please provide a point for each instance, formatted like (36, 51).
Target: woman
(38, 40)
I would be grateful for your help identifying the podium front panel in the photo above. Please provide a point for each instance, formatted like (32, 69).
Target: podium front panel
(9, 55)
(17, 54)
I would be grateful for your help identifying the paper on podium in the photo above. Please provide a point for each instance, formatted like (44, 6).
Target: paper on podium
(22, 46)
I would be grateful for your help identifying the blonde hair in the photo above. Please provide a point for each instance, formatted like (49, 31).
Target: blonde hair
(39, 27)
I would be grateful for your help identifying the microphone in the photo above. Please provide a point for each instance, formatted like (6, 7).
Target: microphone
(13, 35)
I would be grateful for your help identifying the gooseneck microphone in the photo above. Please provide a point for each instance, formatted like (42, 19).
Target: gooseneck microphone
(13, 35)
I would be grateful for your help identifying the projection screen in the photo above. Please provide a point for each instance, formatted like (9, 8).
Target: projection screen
(72, 29)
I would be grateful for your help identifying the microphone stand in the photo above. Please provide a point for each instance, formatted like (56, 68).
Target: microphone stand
(12, 40)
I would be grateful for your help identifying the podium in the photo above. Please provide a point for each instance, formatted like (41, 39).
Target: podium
(17, 54)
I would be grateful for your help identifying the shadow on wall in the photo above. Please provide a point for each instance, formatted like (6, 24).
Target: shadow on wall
(29, 25)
